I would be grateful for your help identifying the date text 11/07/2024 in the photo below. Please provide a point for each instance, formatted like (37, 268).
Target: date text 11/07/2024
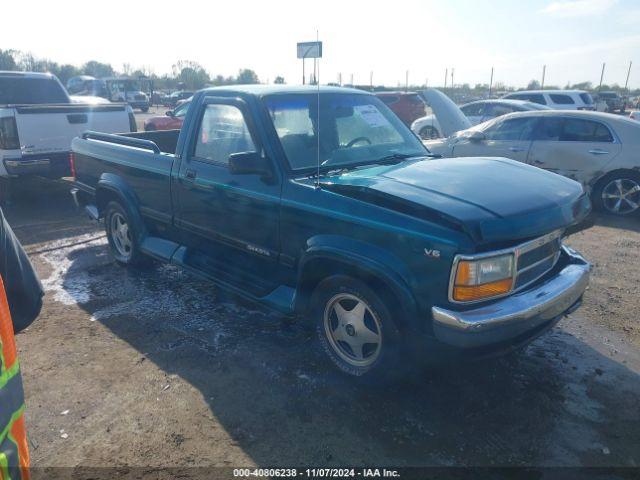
(316, 472)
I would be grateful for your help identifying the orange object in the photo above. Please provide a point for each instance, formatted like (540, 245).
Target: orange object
(14, 450)
(487, 290)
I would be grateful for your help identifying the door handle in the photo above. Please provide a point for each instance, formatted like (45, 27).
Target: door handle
(516, 149)
(597, 151)
(190, 175)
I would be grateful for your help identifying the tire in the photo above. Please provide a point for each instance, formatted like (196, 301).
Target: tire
(429, 133)
(618, 193)
(149, 128)
(144, 109)
(342, 335)
(122, 236)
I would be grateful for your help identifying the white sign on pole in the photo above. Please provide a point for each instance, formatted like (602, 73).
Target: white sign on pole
(310, 50)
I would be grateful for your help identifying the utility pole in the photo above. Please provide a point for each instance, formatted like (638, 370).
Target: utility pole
(352, 79)
(491, 82)
(406, 81)
(315, 62)
(452, 69)
(340, 78)
(544, 71)
(626, 83)
(446, 74)
(601, 77)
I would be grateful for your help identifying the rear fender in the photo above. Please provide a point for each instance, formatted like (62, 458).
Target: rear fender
(112, 187)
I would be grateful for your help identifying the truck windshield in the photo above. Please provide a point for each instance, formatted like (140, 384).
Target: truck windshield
(354, 129)
(21, 90)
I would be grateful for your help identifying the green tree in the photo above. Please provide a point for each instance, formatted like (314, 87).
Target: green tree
(247, 76)
(279, 80)
(97, 69)
(191, 73)
(7, 60)
(533, 85)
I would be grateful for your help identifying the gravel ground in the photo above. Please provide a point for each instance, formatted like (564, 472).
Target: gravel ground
(159, 369)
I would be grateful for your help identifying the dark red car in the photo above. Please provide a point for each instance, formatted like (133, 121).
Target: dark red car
(406, 105)
(172, 120)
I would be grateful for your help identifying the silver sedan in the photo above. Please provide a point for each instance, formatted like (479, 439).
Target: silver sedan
(599, 150)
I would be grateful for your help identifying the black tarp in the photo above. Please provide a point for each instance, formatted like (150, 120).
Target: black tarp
(23, 289)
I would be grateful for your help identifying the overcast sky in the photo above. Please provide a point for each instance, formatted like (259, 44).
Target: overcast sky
(573, 38)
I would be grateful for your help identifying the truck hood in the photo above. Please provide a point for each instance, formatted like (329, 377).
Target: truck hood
(450, 117)
(492, 199)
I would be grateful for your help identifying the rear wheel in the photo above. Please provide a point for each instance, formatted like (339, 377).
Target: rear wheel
(122, 236)
(429, 133)
(618, 193)
(355, 327)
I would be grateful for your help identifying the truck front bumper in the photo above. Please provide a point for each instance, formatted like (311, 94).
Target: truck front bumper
(521, 313)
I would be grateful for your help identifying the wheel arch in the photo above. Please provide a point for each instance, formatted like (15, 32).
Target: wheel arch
(113, 188)
(323, 261)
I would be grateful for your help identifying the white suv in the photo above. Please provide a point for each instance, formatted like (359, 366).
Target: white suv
(556, 99)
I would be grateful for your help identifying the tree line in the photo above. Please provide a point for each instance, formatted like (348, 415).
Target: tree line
(186, 72)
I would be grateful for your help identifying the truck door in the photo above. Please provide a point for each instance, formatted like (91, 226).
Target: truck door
(232, 220)
(577, 148)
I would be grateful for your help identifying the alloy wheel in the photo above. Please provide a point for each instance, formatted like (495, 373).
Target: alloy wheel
(353, 330)
(121, 235)
(621, 196)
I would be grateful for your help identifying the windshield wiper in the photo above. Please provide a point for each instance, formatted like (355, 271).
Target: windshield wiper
(394, 158)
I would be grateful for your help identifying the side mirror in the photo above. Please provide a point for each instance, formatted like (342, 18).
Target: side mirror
(170, 113)
(247, 163)
(477, 136)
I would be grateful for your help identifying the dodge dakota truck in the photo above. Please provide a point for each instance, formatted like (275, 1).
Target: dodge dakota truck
(38, 120)
(323, 205)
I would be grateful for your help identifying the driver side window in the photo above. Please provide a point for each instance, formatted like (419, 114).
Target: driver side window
(512, 129)
(223, 131)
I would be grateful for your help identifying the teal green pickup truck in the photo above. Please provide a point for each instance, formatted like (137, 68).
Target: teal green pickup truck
(323, 205)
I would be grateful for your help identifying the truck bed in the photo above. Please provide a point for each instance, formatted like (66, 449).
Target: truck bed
(166, 140)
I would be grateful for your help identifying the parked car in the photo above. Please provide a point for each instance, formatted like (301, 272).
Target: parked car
(38, 120)
(408, 106)
(172, 120)
(428, 127)
(346, 222)
(173, 99)
(635, 115)
(88, 99)
(77, 84)
(127, 90)
(615, 103)
(556, 99)
(599, 150)
(183, 101)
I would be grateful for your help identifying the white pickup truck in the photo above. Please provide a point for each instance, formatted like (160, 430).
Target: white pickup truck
(38, 121)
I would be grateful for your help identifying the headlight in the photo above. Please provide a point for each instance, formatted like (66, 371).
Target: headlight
(484, 278)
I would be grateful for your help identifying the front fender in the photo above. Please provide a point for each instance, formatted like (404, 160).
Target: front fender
(364, 257)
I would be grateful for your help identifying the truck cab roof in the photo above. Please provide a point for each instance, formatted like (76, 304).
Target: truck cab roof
(262, 90)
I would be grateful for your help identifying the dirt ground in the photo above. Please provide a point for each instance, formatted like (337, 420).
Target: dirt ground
(157, 368)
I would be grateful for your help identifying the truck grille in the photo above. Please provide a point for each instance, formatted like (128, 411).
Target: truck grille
(536, 258)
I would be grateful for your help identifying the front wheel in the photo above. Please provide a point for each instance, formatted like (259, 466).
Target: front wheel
(429, 133)
(618, 193)
(355, 327)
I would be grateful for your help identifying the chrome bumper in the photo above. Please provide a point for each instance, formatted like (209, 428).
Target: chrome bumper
(517, 314)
